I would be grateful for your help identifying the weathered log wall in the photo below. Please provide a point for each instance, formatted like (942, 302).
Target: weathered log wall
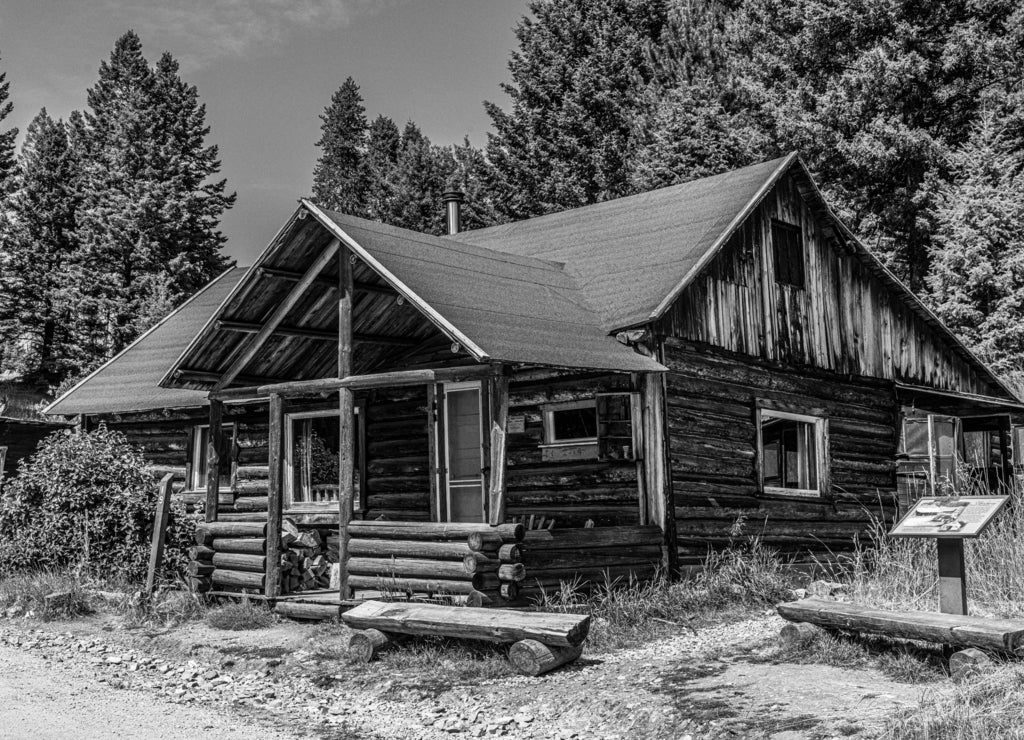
(21, 438)
(845, 319)
(570, 492)
(397, 455)
(711, 416)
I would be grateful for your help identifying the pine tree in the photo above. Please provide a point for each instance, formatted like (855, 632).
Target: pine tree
(149, 217)
(42, 220)
(697, 120)
(7, 138)
(977, 274)
(340, 179)
(417, 181)
(383, 143)
(577, 81)
(874, 94)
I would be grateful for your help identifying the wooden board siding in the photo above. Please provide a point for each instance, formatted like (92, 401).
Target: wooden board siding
(711, 416)
(844, 320)
(570, 492)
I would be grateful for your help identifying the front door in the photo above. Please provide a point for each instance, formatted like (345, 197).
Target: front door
(461, 454)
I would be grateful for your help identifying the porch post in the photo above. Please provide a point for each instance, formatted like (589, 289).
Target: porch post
(214, 445)
(657, 470)
(498, 397)
(346, 413)
(275, 483)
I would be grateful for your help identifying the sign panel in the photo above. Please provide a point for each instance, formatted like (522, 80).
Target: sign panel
(949, 516)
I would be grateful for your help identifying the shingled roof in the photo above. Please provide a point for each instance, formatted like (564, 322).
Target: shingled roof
(630, 254)
(130, 380)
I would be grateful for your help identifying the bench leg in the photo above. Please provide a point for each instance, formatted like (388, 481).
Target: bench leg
(366, 645)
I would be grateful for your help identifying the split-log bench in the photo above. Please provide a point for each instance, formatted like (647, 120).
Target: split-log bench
(997, 635)
(540, 641)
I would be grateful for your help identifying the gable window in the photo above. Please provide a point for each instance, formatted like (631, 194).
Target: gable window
(573, 422)
(792, 453)
(788, 251)
(312, 460)
(199, 455)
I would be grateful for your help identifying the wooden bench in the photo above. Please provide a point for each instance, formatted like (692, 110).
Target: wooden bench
(997, 635)
(540, 641)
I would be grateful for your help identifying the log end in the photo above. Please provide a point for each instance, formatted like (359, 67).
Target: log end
(534, 658)
(796, 634)
(969, 662)
(366, 645)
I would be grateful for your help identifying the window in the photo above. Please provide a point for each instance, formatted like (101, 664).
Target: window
(312, 460)
(792, 453)
(574, 422)
(3, 462)
(200, 449)
(788, 250)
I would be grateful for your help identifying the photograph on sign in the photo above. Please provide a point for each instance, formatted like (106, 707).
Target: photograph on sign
(949, 516)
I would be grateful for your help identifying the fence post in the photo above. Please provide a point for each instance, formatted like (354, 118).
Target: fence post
(156, 552)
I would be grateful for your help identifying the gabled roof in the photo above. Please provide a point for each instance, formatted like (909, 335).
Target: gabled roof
(130, 380)
(631, 256)
(498, 307)
(510, 308)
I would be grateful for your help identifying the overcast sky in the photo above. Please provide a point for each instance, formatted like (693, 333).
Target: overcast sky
(265, 70)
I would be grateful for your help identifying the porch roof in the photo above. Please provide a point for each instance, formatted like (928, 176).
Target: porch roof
(415, 295)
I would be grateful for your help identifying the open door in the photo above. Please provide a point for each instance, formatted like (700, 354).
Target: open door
(461, 453)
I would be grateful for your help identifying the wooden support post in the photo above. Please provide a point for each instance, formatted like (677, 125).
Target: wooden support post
(660, 508)
(275, 486)
(952, 576)
(163, 510)
(346, 415)
(214, 446)
(498, 397)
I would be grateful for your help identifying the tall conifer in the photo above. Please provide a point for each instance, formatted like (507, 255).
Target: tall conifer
(340, 177)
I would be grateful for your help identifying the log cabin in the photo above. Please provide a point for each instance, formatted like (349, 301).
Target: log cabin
(603, 392)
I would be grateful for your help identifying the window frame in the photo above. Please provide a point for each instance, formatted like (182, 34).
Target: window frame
(549, 411)
(820, 425)
(780, 225)
(196, 453)
(288, 489)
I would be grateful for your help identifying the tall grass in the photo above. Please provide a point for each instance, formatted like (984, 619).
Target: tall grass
(627, 613)
(901, 573)
(24, 594)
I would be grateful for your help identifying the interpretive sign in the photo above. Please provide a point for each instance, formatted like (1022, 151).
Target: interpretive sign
(949, 516)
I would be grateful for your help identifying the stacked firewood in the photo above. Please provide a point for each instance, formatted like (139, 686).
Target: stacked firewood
(307, 562)
(465, 563)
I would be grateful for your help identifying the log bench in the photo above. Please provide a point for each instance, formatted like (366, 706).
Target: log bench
(539, 641)
(996, 635)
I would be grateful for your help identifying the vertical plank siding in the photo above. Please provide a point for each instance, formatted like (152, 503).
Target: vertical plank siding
(844, 319)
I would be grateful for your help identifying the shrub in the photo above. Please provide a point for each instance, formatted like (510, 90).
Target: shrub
(85, 501)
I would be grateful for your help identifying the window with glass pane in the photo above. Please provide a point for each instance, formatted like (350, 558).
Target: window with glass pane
(200, 442)
(313, 455)
(572, 422)
(791, 454)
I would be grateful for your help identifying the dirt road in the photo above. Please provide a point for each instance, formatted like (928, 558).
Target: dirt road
(41, 700)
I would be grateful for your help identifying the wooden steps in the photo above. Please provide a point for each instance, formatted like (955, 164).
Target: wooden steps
(1000, 635)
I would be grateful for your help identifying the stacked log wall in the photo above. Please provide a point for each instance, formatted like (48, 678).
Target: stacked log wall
(711, 414)
(570, 492)
(397, 455)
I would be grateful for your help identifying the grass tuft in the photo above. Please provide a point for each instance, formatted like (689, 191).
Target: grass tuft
(982, 707)
(628, 613)
(243, 614)
(24, 594)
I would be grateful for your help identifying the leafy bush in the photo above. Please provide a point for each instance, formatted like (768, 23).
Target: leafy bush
(85, 501)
